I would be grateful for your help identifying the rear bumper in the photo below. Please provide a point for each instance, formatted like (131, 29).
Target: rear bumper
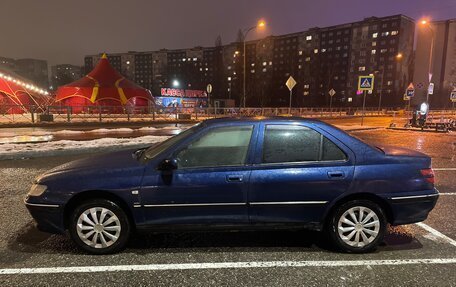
(49, 217)
(411, 208)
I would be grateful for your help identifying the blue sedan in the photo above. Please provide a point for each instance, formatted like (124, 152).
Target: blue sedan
(238, 174)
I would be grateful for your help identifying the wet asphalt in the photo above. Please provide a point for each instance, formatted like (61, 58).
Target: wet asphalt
(22, 245)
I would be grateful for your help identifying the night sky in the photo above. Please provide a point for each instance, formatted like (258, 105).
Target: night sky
(63, 31)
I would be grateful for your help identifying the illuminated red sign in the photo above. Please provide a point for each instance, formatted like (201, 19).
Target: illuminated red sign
(181, 93)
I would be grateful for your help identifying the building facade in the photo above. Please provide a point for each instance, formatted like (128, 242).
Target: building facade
(64, 74)
(440, 38)
(33, 70)
(319, 59)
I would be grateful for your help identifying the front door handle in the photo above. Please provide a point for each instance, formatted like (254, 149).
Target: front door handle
(336, 174)
(234, 178)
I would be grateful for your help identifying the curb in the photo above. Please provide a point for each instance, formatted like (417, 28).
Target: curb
(418, 130)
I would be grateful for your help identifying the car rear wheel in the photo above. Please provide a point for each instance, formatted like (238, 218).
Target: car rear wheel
(357, 226)
(99, 226)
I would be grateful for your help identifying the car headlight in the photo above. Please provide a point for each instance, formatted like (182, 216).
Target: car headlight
(37, 190)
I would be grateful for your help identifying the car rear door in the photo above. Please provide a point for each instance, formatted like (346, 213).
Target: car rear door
(298, 170)
(210, 183)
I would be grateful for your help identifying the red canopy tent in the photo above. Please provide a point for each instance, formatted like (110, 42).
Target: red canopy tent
(103, 86)
(18, 96)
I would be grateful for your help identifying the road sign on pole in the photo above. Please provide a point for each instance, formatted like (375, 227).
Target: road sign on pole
(431, 88)
(453, 95)
(410, 92)
(366, 83)
(291, 83)
(331, 93)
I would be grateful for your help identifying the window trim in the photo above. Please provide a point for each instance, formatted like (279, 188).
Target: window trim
(260, 150)
(209, 129)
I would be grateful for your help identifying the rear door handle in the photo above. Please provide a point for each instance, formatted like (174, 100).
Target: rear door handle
(336, 174)
(234, 178)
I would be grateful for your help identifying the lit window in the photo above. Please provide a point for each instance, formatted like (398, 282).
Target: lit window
(306, 93)
(308, 38)
(350, 100)
(252, 71)
(299, 66)
(128, 63)
(373, 52)
(265, 63)
(184, 59)
(270, 63)
(375, 35)
(323, 50)
(300, 53)
(389, 83)
(264, 70)
(306, 86)
(394, 32)
(308, 59)
(315, 51)
(362, 68)
(229, 78)
(383, 51)
(194, 59)
(374, 44)
(253, 64)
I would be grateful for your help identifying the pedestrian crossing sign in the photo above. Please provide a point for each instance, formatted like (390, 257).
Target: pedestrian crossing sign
(366, 83)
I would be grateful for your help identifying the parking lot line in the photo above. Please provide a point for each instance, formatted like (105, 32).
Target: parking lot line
(437, 233)
(224, 265)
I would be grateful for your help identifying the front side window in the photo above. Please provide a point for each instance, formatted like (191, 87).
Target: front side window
(297, 144)
(225, 146)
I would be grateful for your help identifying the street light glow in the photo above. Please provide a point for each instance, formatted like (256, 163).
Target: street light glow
(399, 56)
(261, 24)
(176, 83)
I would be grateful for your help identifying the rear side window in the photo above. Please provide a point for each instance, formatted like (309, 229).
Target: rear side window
(284, 143)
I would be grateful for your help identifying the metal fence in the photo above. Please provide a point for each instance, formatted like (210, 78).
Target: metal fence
(32, 114)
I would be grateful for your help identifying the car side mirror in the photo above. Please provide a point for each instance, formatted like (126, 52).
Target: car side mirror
(168, 165)
(138, 153)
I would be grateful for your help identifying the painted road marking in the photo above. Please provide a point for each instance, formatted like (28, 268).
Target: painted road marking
(445, 169)
(437, 233)
(224, 265)
(447, 193)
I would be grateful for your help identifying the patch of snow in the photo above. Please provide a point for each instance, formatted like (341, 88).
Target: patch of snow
(14, 151)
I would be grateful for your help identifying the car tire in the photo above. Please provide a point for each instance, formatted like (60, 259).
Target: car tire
(357, 226)
(99, 226)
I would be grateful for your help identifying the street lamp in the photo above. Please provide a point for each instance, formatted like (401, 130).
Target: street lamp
(176, 83)
(260, 24)
(425, 23)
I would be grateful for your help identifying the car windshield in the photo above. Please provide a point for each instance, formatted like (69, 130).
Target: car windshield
(154, 150)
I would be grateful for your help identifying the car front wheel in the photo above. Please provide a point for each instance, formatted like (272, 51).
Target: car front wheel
(99, 226)
(357, 226)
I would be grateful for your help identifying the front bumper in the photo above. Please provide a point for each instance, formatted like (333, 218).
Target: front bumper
(49, 217)
(411, 208)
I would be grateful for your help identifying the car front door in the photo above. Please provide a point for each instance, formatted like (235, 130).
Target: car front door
(297, 172)
(209, 185)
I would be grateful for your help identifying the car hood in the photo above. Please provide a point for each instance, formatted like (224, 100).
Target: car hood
(104, 162)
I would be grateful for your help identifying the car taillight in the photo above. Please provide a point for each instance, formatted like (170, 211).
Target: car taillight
(428, 174)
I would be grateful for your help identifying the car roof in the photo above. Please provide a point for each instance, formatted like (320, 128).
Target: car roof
(261, 119)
